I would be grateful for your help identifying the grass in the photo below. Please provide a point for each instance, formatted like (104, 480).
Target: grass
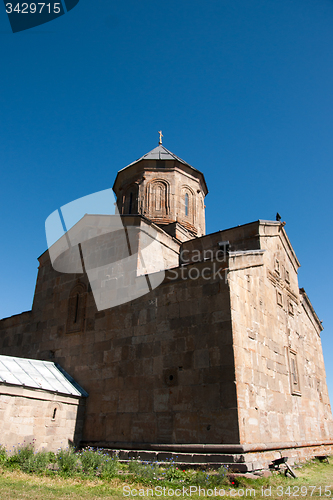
(15, 485)
(93, 474)
(66, 462)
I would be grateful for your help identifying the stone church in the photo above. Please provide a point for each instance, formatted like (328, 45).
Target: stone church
(222, 362)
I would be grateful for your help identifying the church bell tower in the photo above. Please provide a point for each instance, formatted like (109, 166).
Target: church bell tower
(166, 190)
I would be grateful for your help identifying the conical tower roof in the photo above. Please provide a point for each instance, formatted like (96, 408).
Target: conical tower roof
(161, 153)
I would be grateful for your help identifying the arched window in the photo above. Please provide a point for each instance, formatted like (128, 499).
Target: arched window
(54, 410)
(186, 204)
(157, 200)
(76, 309)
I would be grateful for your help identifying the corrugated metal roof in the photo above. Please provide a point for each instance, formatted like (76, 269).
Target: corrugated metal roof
(38, 374)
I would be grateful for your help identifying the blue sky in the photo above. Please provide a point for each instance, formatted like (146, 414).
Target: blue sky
(242, 90)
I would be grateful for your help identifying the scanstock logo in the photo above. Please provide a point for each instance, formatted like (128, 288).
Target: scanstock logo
(122, 261)
(26, 15)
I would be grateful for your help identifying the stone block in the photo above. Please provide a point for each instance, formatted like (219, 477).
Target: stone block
(201, 358)
(128, 401)
(165, 427)
(161, 400)
(270, 364)
(228, 397)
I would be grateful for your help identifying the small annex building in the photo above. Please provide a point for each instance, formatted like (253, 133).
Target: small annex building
(39, 404)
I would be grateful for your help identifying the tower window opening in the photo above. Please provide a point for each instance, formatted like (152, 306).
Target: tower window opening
(159, 198)
(76, 308)
(186, 204)
(293, 371)
(130, 203)
(54, 413)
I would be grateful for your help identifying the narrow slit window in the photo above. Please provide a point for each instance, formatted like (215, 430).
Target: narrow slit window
(186, 204)
(158, 203)
(293, 371)
(130, 203)
(76, 308)
(294, 374)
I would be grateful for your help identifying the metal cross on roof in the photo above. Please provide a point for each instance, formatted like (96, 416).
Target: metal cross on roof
(161, 135)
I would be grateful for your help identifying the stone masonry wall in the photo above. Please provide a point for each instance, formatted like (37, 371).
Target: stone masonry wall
(158, 369)
(278, 401)
(48, 421)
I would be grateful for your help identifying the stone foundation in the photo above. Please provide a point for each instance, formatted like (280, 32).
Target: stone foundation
(238, 458)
